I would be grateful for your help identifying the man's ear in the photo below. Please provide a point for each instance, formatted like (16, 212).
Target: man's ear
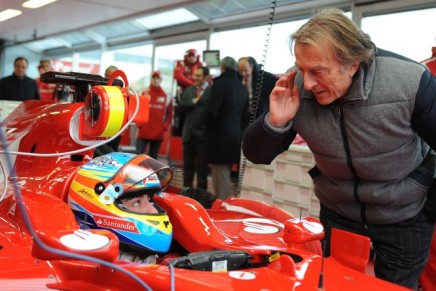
(353, 69)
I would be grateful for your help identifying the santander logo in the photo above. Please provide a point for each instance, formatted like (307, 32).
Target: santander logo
(115, 223)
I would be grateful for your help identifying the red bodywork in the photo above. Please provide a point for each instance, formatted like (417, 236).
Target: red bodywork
(234, 224)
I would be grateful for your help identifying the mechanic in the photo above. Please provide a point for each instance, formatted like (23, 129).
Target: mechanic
(184, 69)
(369, 118)
(152, 133)
(47, 91)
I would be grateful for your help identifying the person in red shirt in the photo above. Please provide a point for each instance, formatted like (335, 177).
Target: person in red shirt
(46, 91)
(160, 117)
(428, 277)
(430, 63)
(184, 69)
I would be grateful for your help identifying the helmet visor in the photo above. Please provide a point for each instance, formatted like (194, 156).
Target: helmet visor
(141, 175)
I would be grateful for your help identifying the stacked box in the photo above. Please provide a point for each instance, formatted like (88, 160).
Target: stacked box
(285, 183)
(259, 177)
(257, 195)
(295, 172)
(293, 192)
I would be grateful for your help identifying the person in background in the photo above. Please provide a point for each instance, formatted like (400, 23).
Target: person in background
(227, 112)
(193, 103)
(46, 91)
(109, 70)
(160, 117)
(252, 74)
(184, 69)
(19, 87)
(369, 118)
(114, 144)
(184, 76)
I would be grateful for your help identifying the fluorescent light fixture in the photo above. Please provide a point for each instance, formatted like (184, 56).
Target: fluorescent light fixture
(9, 13)
(169, 18)
(36, 3)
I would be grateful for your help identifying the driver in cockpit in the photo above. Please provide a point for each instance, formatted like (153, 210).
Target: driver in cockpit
(116, 192)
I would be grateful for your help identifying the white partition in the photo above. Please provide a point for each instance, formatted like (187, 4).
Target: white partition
(284, 183)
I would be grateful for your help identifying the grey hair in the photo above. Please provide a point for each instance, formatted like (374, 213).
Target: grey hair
(330, 25)
(229, 63)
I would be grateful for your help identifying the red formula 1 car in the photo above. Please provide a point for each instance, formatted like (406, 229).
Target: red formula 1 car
(66, 223)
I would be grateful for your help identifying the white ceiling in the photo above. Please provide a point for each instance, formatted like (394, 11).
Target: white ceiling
(69, 23)
(71, 15)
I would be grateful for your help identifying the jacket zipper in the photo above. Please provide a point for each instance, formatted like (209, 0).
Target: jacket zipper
(350, 162)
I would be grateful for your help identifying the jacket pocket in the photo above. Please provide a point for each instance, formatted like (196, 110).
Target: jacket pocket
(421, 178)
(314, 172)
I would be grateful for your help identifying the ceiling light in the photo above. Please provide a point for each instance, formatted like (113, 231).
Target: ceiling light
(36, 3)
(9, 13)
(168, 18)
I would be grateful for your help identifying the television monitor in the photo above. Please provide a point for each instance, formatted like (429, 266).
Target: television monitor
(212, 58)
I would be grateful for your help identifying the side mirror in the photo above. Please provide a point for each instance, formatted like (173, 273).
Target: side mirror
(101, 244)
(303, 230)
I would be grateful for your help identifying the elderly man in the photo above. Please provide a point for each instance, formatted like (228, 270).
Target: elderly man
(259, 83)
(369, 118)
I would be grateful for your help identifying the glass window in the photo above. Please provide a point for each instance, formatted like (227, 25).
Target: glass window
(63, 64)
(251, 42)
(134, 61)
(411, 33)
(87, 62)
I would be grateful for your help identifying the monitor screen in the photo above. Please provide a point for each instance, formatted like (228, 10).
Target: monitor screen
(211, 58)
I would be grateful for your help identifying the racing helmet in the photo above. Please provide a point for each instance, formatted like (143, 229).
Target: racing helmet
(99, 188)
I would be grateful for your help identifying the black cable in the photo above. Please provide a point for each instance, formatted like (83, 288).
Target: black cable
(256, 93)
